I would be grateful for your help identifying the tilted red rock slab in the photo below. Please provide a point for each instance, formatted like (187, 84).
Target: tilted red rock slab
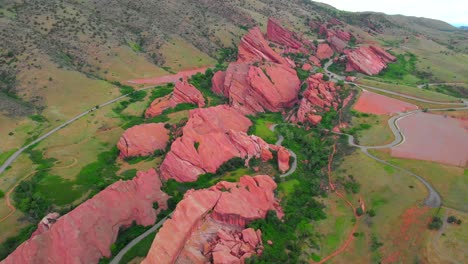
(230, 203)
(184, 92)
(252, 89)
(368, 59)
(280, 35)
(254, 47)
(143, 140)
(85, 234)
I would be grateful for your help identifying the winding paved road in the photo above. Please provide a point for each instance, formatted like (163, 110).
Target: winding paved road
(119, 256)
(433, 199)
(15, 155)
(279, 143)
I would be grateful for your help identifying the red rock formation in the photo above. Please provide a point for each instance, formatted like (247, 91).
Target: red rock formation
(337, 44)
(143, 140)
(280, 35)
(324, 51)
(369, 60)
(266, 87)
(218, 82)
(46, 223)
(188, 236)
(307, 67)
(211, 137)
(85, 234)
(283, 159)
(350, 78)
(184, 92)
(315, 61)
(319, 96)
(254, 47)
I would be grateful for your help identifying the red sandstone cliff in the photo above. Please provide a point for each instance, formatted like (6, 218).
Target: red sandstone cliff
(368, 59)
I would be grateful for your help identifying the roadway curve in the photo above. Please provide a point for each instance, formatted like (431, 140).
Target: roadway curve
(119, 256)
(433, 199)
(279, 142)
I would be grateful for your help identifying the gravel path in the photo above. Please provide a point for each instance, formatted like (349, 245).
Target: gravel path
(279, 143)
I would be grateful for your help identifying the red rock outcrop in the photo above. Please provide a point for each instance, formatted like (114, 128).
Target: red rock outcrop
(211, 137)
(368, 59)
(283, 159)
(324, 51)
(254, 47)
(266, 87)
(315, 61)
(218, 82)
(350, 78)
(184, 92)
(319, 96)
(280, 35)
(307, 67)
(143, 140)
(205, 221)
(46, 223)
(337, 44)
(85, 234)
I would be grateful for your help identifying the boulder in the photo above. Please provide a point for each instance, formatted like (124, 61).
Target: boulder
(217, 83)
(253, 47)
(85, 234)
(184, 92)
(266, 87)
(143, 140)
(283, 159)
(324, 51)
(307, 67)
(369, 60)
(208, 224)
(280, 35)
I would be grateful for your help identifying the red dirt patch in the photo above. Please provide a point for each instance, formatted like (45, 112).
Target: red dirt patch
(433, 138)
(373, 103)
(408, 239)
(168, 78)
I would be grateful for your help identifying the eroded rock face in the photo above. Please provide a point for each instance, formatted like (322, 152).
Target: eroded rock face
(218, 83)
(368, 59)
(254, 47)
(210, 222)
(46, 223)
(319, 96)
(283, 159)
(266, 87)
(85, 234)
(324, 51)
(184, 92)
(143, 140)
(211, 137)
(280, 35)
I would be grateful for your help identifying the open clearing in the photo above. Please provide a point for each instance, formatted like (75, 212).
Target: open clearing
(433, 138)
(379, 133)
(409, 90)
(450, 181)
(373, 103)
(389, 193)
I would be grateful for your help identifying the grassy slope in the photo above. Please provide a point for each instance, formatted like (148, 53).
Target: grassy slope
(450, 181)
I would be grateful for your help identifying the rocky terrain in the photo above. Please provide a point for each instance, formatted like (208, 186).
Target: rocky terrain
(183, 93)
(143, 140)
(211, 137)
(208, 225)
(85, 234)
(369, 60)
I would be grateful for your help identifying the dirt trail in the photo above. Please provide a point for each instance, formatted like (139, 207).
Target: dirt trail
(8, 198)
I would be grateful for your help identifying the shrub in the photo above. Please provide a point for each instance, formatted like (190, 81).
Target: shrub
(436, 223)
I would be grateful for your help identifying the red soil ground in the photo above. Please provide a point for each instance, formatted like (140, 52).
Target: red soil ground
(433, 138)
(408, 240)
(373, 103)
(168, 78)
